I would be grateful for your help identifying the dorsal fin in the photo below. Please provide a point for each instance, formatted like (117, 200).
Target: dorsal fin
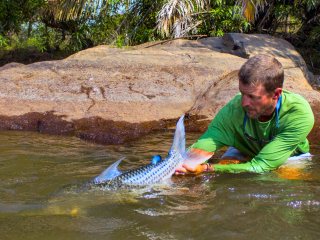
(110, 173)
(179, 140)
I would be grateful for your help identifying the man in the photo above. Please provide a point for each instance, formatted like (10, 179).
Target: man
(264, 122)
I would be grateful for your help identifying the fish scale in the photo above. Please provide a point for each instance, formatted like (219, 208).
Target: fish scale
(148, 174)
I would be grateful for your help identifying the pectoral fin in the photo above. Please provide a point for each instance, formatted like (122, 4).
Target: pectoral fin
(110, 173)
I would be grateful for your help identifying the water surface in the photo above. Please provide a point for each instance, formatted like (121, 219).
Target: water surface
(42, 195)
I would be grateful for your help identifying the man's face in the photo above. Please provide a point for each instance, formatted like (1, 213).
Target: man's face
(256, 101)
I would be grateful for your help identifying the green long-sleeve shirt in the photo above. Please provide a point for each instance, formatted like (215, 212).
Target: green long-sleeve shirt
(226, 129)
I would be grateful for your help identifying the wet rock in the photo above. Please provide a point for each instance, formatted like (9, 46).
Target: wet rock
(314, 136)
(25, 122)
(103, 131)
(46, 122)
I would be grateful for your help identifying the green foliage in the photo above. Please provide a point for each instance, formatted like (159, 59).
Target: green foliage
(223, 18)
(34, 42)
(3, 42)
(10, 16)
(315, 35)
(281, 11)
(120, 41)
(72, 25)
(13, 13)
(143, 35)
(28, 43)
(79, 39)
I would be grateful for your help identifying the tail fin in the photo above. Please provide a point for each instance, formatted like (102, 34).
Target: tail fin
(179, 141)
(192, 157)
(110, 173)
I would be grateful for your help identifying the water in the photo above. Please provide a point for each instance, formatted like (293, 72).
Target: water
(43, 196)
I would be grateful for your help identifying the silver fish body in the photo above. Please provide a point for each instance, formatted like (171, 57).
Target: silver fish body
(151, 173)
(148, 174)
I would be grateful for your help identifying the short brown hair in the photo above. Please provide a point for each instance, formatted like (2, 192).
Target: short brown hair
(262, 69)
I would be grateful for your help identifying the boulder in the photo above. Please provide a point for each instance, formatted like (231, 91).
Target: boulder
(110, 95)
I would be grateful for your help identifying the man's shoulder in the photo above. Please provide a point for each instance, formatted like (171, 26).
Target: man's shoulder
(293, 96)
(295, 101)
(296, 109)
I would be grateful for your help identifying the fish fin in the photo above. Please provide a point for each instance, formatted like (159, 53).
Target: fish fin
(179, 140)
(110, 173)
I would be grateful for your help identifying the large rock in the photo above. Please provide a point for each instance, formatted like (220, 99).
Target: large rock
(111, 95)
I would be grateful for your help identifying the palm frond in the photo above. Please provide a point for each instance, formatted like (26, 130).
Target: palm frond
(315, 33)
(64, 10)
(250, 8)
(176, 16)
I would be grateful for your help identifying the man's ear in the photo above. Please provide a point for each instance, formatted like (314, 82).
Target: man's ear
(277, 93)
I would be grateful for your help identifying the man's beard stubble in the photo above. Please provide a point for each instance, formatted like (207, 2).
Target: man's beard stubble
(263, 113)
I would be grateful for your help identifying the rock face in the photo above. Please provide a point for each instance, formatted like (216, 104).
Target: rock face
(110, 95)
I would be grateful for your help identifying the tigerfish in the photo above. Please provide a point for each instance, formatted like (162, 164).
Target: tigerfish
(152, 173)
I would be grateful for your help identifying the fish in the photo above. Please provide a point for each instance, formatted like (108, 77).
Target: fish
(157, 171)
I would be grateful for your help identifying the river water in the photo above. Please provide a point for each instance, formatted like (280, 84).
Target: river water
(42, 195)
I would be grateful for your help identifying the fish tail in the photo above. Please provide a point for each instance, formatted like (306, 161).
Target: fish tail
(179, 140)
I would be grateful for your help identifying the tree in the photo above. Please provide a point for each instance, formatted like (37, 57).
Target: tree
(15, 12)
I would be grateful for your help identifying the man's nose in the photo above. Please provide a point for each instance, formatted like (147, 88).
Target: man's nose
(245, 102)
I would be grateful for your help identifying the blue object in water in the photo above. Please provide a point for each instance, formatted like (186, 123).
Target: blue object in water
(155, 159)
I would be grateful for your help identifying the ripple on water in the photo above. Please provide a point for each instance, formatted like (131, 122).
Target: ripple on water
(309, 204)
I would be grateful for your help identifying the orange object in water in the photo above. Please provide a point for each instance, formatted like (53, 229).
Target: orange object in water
(285, 172)
(229, 161)
(292, 173)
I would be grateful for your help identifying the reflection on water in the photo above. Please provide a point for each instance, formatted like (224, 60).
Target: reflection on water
(43, 195)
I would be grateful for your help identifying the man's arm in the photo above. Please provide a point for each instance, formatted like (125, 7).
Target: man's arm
(275, 153)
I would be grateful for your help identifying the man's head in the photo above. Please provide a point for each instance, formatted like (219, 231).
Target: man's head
(260, 82)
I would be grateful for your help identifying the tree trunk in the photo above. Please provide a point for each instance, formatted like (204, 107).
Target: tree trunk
(287, 26)
(29, 29)
(47, 44)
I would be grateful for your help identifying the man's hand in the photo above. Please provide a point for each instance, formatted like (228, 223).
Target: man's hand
(205, 167)
(194, 162)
